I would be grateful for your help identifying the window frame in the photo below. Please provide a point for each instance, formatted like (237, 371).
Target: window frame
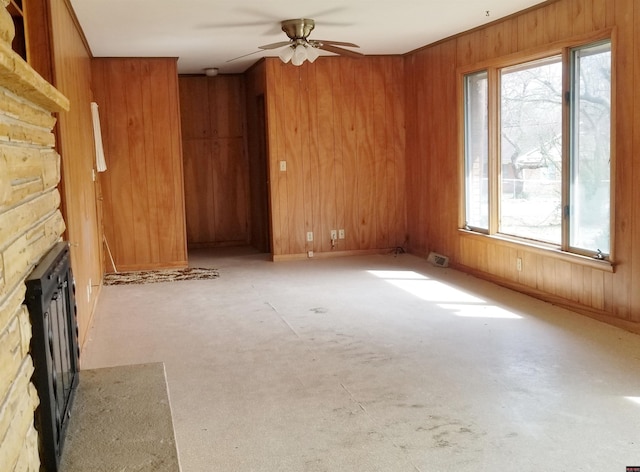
(493, 68)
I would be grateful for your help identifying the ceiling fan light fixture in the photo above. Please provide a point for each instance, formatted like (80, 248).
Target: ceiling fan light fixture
(299, 55)
(300, 48)
(286, 54)
(312, 53)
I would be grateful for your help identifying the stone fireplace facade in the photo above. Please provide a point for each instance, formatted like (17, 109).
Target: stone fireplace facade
(30, 225)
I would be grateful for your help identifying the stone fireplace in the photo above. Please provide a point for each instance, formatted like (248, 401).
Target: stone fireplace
(30, 225)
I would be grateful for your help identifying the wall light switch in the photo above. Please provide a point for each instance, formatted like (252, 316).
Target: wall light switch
(334, 235)
(341, 233)
(283, 166)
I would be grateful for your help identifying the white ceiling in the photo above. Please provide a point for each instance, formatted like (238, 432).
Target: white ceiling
(208, 33)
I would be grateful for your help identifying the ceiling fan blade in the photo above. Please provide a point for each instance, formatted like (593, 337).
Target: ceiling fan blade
(244, 55)
(277, 45)
(340, 51)
(334, 43)
(231, 25)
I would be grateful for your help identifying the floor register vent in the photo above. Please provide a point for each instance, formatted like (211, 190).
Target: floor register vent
(438, 260)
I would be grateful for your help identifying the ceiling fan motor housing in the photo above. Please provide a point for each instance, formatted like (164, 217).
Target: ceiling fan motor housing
(298, 28)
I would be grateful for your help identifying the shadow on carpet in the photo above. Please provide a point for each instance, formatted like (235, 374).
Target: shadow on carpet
(155, 276)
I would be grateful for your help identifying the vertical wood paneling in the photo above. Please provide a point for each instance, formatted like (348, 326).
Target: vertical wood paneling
(596, 289)
(60, 54)
(39, 27)
(116, 144)
(578, 12)
(563, 272)
(633, 187)
(339, 125)
(212, 113)
(624, 224)
(576, 283)
(435, 224)
(587, 294)
(143, 186)
(364, 160)
(306, 155)
(277, 127)
(133, 94)
(609, 305)
(194, 108)
(347, 110)
(319, 225)
(293, 135)
(598, 15)
(527, 275)
(538, 269)
(147, 165)
(396, 159)
(339, 149)
(413, 134)
(418, 174)
(433, 154)
(380, 152)
(198, 175)
(511, 258)
(327, 198)
(550, 20)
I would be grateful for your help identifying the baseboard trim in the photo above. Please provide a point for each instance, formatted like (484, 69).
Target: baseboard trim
(327, 255)
(598, 315)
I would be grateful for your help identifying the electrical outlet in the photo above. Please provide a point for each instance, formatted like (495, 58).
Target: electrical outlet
(310, 253)
(334, 235)
(519, 264)
(283, 166)
(309, 236)
(341, 233)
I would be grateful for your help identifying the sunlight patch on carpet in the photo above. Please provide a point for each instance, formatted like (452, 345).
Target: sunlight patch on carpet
(154, 276)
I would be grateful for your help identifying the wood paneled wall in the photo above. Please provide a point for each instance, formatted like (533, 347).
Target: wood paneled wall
(143, 196)
(339, 125)
(433, 159)
(59, 53)
(216, 169)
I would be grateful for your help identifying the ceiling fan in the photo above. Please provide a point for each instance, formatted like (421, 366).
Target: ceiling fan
(300, 48)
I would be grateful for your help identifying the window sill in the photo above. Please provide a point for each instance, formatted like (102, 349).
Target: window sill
(541, 249)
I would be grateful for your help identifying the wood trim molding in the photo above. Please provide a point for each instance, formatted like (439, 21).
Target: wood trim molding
(328, 255)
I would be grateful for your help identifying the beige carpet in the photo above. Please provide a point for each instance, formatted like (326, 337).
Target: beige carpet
(121, 421)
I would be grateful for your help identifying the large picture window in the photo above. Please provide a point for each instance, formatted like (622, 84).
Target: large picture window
(537, 153)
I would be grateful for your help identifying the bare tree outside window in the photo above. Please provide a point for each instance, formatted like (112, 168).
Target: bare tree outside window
(531, 150)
